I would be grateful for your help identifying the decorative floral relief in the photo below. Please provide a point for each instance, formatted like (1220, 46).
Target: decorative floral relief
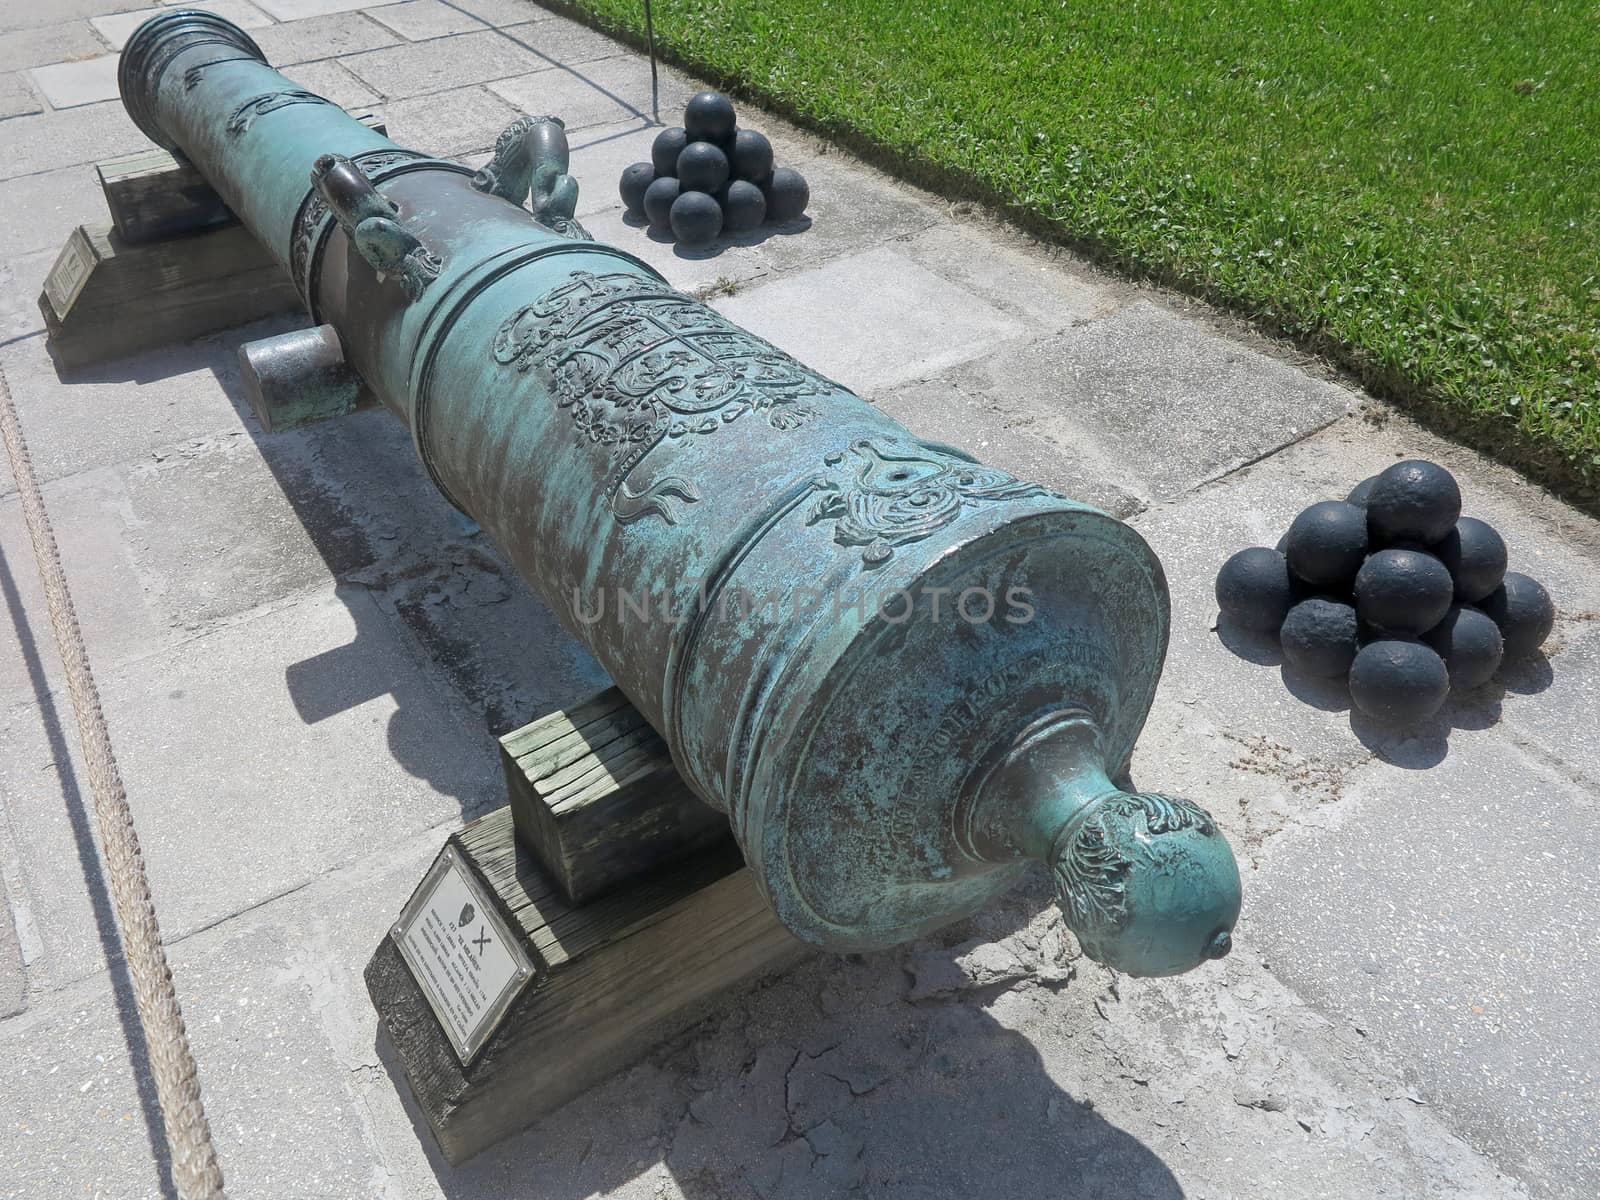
(637, 364)
(903, 494)
(1091, 871)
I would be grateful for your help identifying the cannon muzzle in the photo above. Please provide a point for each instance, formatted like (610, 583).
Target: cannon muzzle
(902, 674)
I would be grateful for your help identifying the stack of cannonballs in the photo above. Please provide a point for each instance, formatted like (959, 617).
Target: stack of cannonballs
(1393, 587)
(710, 176)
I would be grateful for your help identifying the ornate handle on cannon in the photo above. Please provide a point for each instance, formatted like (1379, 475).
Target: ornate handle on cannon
(1146, 881)
(373, 225)
(531, 156)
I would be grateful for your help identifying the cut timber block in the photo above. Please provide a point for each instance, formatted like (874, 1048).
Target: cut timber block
(152, 195)
(104, 297)
(596, 798)
(613, 978)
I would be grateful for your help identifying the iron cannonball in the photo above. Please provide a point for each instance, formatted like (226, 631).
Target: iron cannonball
(665, 149)
(709, 117)
(1361, 492)
(1413, 500)
(787, 194)
(1470, 644)
(752, 156)
(696, 219)
(1327, 543)
(1398, 682)
(636, 179)
(1319, 637)
(1403, 591)
(702, 168)
(1254, 589)
(743, 205)
(1475, 556)
(659, 198)
(1524, 612)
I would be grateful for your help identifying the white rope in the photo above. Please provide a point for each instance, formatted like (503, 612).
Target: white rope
(194, 1161)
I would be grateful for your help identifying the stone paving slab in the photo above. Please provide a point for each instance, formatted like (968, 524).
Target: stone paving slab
(872, 320)
(450, 124)
(44, 208)
(421, 68)
(1458, 920)
(1174, 403)
(255, 758)
(118, 28)
(294, 10)
(601, 92)
(36, 47)
(87, 81)
(418, 20)
(59, 139)
(334, 36)
(17, 99)
(124, 409)
(939, 410)
(332, 81)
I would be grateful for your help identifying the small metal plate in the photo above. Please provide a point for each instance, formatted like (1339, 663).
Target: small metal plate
(466, 962)
(67, 277)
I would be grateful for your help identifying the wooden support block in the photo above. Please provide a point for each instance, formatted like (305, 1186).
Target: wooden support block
(153, 195)
(614, 977)
(104, 297)
(596, 798)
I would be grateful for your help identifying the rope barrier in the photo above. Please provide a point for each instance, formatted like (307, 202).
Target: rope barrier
(195, 1170)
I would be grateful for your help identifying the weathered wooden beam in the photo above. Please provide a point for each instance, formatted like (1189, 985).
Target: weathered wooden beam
(614, 977)
(104, 297)
(152, 195)
(596, 798)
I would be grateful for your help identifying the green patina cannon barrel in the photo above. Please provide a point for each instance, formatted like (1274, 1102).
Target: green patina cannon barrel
(902, 674)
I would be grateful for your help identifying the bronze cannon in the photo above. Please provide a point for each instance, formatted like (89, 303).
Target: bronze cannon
(903, 675)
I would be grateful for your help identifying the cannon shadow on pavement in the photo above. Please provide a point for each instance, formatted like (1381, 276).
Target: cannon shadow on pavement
(441, 619)
(825, 1081)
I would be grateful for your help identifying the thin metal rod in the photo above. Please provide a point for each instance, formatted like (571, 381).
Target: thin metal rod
(650, 40)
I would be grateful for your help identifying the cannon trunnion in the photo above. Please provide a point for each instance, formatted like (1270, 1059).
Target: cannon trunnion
(903, 675)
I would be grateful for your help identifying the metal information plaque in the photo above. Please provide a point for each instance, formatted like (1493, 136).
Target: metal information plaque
(460, 953)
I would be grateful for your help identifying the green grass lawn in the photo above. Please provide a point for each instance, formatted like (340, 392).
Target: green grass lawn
(1409, 189)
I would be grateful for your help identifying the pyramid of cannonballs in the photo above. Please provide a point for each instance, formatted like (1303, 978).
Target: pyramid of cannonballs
(1393, 588)
(710, 176)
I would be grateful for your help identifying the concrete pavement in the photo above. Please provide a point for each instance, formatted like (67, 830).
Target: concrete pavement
(304, 656)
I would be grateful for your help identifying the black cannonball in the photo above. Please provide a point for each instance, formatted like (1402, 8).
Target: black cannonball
(665, 149)
(743, 206)
(636, 179)
(696, 219)
(1254, 590)
(752, 156)
(1359, 494)
(1327, 544)
(659, 198)
(1476, 557)
(708, 117)
(1319, 637)
(1415, 501)
(1403, 591)
(1470, 644)
(702, 168)
(1398, 682)
(787, 194)
(1524, 612)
